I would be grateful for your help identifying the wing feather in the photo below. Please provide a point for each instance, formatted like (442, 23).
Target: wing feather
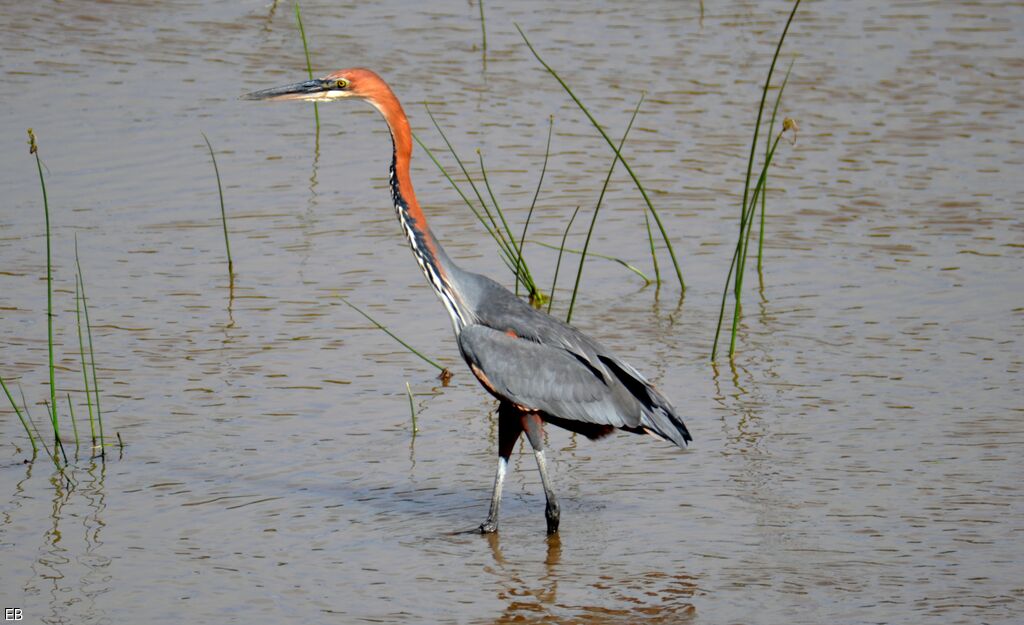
(546, 378)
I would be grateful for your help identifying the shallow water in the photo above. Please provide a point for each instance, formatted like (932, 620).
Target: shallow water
(861, 462)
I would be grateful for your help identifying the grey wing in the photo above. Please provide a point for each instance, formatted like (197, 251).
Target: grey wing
(546, 378)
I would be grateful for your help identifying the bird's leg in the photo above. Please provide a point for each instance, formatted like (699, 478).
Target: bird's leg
(510, 426)
(532, 425)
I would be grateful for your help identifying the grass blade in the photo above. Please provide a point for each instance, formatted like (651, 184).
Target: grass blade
(81, 351)
(223, 214)
(74, 425)
(483, 32)
(738, 264)
(39, 437)
(522, 270)
(536, 194)
(620, 261)
(34, 150)
(92, 359)
(502, 243)
(558, 265)
(458, 190)
(412, 409)
(625, 163)
(21, 417)
(393, 335)
(597, 210)
(309, 66)
(764, 194)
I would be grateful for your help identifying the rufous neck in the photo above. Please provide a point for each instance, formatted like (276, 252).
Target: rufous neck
(437, 267)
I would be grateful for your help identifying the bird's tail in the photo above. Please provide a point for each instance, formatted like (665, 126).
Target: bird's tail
(662, 421)
(658, 417)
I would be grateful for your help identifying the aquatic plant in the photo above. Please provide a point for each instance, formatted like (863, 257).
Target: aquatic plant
(625, 164)
(223, 213)
(21, 417)
(309, 65)
(54, 421)
(597, 210)
(561, 250)
(511, 251)
(750, 197)
(92, 361)
(445, 374)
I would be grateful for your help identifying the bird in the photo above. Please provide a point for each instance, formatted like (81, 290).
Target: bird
(540, 369)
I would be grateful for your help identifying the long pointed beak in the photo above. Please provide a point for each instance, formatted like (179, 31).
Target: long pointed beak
(298, 91)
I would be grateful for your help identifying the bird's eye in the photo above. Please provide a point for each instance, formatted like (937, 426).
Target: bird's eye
(341, 84)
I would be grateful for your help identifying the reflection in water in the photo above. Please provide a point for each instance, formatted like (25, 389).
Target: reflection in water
(531, 594)
(71, 573)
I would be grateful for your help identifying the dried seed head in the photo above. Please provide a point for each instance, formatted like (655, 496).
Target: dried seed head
(789, 124)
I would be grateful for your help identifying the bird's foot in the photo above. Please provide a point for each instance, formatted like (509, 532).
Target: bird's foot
(488, 527)
(551, 513)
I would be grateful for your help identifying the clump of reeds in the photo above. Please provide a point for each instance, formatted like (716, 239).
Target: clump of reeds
(489, 214)
(58, 454)
(751, 196)
(625, 164)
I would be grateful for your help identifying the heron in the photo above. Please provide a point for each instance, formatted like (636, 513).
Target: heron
(540, 369)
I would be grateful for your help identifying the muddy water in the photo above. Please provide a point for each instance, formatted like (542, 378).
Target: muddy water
(861, 462)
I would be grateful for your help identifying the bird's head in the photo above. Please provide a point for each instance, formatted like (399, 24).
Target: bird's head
(347, 83)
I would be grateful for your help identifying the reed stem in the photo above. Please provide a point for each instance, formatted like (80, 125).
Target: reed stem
(223, 213)
(748, 206)
(54, 422)
(391, 334)
(21, 417)
(625, 163)
(536, 194)
(558, 264)
(412, 408)
(309, 65)
(92, 359)
(597, 210)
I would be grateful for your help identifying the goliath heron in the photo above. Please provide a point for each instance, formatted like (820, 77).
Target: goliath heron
(539, 369)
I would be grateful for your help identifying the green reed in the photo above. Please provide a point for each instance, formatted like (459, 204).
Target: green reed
(558, 264)
(21, 417)
(511, 250)
(764, 193)
(597, 210)
(536, 194)
(223, 213)
(92, 360)
(593, 254)
(309, 65)
(34, 150)
(81, 354)
(625, 164)
(483, 30)
(521, 271)
(445, 373)
(35, 428)
(412, 408)
(749, 204)
(74, 424)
